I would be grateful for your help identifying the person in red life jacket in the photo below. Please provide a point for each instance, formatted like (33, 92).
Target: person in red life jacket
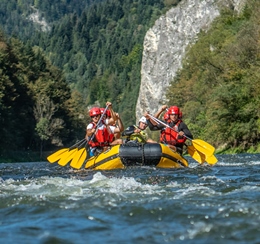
(174, 136)
(99, 134)
(117, 126)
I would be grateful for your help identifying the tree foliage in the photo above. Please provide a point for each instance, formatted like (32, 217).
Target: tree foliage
(32, 93)
(100, 51)
(96, 44)
(218, 86)
(91, 52)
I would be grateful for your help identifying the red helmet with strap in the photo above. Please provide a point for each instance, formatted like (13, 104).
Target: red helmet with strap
(180, 114)
(166, 116)
(174, 110)
(108, 113)
(102, 110)
(94, 111)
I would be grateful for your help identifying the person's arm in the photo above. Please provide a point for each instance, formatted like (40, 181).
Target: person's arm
(151, 126)
(89, 131)
(184, 130)
(151, 123)
(158, 113)
(154, 125)
(120, 125)
(129, 131)
(113, 118)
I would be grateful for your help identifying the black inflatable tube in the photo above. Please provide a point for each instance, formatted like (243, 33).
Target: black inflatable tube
(140, 154)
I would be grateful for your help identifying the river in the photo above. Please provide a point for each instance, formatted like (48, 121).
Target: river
(46, 203)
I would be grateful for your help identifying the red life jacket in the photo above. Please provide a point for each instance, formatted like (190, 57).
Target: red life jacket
(170, 136)
(102, 137)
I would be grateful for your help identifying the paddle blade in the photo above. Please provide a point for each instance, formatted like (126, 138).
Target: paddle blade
(57, 155)
(211, 160)
(203, 147)
(66, 157)
(79, 158)
(199, 157)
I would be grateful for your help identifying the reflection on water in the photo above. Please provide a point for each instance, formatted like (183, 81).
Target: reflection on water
(47, 203)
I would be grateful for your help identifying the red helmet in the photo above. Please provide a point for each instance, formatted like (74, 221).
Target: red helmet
(102, 110)
(174, 110)
(108, 113)
(166, 116)
(94, 111)
(180, 114)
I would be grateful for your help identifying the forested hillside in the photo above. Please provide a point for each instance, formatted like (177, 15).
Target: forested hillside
(36, 104)
(15, 15)
(97, 45)
(219, 85)
(92, 53)
(100, 51)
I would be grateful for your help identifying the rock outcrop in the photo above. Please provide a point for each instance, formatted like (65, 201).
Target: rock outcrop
(165, 46)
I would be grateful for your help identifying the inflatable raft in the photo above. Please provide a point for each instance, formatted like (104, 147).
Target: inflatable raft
(132, 154)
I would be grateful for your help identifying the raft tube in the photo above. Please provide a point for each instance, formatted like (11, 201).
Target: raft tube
(133, 154)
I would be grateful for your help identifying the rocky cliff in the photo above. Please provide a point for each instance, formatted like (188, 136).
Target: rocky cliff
(165, 45)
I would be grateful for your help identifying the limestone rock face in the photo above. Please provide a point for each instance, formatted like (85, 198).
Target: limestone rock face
(165, 45)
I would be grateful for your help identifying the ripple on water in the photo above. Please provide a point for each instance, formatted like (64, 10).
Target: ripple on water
(45, 203)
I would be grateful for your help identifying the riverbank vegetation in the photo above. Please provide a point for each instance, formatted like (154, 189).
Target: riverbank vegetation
(219, 84)
(91, 55)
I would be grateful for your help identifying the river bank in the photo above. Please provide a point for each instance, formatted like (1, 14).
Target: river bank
(23, 156)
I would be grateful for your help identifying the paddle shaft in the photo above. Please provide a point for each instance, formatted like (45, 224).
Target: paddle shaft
(197, 155)
(160, 122)
(77, 144)
(60, 153)
(201, 146)
(79, 158)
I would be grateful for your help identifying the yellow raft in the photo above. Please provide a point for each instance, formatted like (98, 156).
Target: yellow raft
(149, 154)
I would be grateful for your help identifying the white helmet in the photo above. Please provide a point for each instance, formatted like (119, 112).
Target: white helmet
(143, 120)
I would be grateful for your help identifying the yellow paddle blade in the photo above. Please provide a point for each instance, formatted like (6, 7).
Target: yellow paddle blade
(79, 158)
(199, 157)
(203, 147)
(57, 155)
(66, 157)
(211, 160)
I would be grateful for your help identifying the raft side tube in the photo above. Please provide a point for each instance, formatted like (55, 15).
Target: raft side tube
(140, 154)
(106, 160)
(171, 159)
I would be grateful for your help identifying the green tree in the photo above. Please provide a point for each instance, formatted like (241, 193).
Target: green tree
(218, 87)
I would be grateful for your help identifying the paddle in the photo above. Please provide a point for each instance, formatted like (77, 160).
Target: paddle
(79, 159)
(211, 160)
(81, 155)
(62, 152)
(200, 145)
(66, 157)
(201, 158)
(57, 155)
